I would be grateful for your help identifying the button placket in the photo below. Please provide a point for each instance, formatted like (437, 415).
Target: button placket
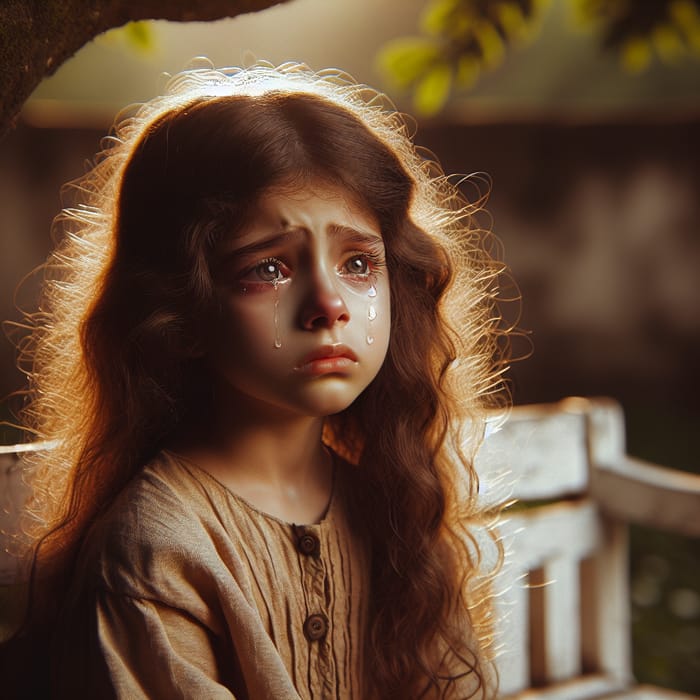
(308, 545)
(316, 626)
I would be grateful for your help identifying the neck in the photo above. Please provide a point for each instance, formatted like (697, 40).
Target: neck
(280, 452)
(277, 445)
(279, 466)
(256, 443)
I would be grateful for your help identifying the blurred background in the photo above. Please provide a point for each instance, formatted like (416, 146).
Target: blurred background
(586, 117)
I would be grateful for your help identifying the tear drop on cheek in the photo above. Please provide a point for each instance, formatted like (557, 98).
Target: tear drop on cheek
(276, 316)
(371, 315)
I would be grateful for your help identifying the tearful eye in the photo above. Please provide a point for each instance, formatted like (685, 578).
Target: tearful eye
(268, 271)
(357, 265)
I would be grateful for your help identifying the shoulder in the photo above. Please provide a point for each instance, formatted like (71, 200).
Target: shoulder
(156, 504)
(162, 529)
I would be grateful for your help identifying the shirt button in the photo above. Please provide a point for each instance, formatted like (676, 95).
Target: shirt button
(309, 545)
(315, 627)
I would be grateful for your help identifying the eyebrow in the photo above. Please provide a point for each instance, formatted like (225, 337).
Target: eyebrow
(351, 234)
(255, 247)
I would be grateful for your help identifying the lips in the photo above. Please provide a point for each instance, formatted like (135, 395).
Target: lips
(327, 359)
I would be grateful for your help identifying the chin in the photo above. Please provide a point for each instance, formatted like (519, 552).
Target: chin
(329, 408)
(331, 401)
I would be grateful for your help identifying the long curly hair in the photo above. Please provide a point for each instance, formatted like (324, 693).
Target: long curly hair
(115, 369)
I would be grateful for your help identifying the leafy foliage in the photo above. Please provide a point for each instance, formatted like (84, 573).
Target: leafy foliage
(669, 29)
(463, 38)
(460, 39)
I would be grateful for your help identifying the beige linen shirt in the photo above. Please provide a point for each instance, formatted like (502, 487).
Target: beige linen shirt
(185, 590)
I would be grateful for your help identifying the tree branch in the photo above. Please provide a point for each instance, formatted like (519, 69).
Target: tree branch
(37, 36)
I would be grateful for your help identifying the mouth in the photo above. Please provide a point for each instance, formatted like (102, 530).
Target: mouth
(327, 359)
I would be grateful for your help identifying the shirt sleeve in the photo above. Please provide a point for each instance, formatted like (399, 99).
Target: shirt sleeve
(154, 651)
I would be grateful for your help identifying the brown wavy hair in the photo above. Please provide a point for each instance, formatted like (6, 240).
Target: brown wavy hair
(115, 368)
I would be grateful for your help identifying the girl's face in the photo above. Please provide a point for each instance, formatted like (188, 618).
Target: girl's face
(304, 304)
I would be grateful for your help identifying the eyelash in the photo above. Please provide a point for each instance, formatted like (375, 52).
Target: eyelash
(270, 261)
(375, 262)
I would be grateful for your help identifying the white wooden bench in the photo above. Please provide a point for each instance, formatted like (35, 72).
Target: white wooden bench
(562, 596)
(563, 599)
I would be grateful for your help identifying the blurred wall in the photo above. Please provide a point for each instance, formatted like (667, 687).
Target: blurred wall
(34, 165)
(601, 226)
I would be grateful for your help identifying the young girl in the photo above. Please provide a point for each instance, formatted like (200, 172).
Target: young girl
(266, 346)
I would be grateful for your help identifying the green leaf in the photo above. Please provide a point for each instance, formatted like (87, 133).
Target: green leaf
(432, 91)
(406, 60)
(492, 47)
(437, 16)
(636, 55)
(467, 71)
(511, 18)
(686, 17)
(140, 35)
(668, 43)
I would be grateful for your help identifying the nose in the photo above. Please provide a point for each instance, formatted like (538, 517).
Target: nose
(323, 306)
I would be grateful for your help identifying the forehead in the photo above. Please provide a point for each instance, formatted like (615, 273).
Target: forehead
(314, 208)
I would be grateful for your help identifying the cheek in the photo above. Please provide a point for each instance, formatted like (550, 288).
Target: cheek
(242, 332)
(383, 320)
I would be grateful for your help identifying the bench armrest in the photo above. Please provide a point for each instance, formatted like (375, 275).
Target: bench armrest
(640, 492)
